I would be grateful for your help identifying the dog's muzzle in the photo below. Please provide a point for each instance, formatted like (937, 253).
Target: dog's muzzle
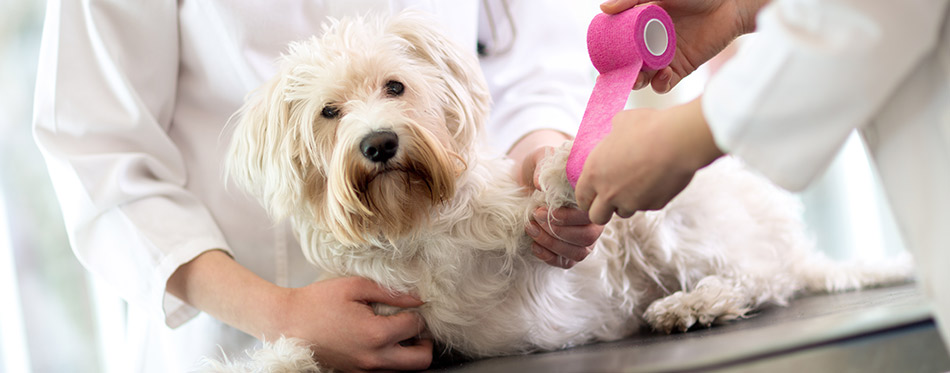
(379, 146)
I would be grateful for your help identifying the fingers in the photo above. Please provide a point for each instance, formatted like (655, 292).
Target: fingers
(561, 216)
(644, 79)
(557, 246)
(401, 326)
(617, 6)
(663, 80)
(536, 179)
(600, 210)
(550, 257)
(623, 213)
(416, 356)
(563, 237)
(583, 194)
(369, 291)
(398, 346)
(529, 169)
(586, 197)
(567, 225)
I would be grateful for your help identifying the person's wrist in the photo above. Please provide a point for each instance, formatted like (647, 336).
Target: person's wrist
(698, 145)
(274, 320)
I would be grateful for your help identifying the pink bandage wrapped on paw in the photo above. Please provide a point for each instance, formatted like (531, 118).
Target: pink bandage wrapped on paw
(620, 46)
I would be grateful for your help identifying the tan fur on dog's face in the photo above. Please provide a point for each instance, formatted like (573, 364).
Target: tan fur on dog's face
(302, 139)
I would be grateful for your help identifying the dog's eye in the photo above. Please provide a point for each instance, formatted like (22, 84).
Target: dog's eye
(394, 88)
(330, 112)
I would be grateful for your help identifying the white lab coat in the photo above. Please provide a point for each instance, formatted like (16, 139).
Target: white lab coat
(132, 99)
(818, 69)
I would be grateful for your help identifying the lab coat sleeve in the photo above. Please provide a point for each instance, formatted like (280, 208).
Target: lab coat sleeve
(105, 96)
(814, 71)
(537, 69)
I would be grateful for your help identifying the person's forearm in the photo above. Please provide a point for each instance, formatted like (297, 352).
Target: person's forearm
(689, 124)
(216, 284)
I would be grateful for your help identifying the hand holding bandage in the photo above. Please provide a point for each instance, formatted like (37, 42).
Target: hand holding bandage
(658, 159)
(619, 46)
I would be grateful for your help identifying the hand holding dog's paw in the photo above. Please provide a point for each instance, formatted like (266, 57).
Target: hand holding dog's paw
(563, 237)
(563, 234)
(336, 316)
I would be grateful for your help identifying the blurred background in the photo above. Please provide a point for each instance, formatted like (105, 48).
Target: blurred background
(55, 319)
(47, 318)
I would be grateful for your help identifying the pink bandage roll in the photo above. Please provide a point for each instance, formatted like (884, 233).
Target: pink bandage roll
(620, 46)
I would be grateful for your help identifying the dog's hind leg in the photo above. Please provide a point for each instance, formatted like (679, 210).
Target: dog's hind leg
(717, 299)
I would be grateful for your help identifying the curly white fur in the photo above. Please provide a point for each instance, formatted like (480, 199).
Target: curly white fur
(444, 221)
(286, 355)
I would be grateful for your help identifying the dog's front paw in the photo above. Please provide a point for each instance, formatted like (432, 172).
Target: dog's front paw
(555, 189)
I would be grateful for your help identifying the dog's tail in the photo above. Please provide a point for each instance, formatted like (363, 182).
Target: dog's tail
(823, 274)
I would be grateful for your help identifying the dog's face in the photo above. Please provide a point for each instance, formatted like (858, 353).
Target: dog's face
(364, 130)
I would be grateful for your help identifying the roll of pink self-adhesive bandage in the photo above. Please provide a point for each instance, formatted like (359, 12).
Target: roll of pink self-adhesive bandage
(620, 46)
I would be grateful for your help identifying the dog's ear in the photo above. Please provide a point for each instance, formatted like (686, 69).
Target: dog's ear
(262, 158)
(467, 97)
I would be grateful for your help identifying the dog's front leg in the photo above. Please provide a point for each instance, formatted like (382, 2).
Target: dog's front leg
(556, 190)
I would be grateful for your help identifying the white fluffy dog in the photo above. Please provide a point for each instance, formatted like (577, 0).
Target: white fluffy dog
(367, 140)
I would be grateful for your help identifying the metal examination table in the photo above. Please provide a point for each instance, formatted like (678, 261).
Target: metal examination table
(876, 330)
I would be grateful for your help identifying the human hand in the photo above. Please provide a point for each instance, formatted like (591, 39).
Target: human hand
(337, 317)
(703, 29)
(564, 239)
(567, 236)
(646, 160)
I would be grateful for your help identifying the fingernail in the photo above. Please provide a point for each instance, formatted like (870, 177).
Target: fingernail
(532, 230)
(665, 77)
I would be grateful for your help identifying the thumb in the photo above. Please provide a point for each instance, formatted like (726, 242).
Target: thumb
(536, 179)
(372, 292)
(537, 158)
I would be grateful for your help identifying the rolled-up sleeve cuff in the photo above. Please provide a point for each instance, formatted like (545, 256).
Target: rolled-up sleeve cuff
(175, 311)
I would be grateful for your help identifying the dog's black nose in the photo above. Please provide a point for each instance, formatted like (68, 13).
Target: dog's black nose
(379, 146)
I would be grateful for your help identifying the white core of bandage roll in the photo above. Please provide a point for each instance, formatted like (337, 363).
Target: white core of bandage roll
(654, 35)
